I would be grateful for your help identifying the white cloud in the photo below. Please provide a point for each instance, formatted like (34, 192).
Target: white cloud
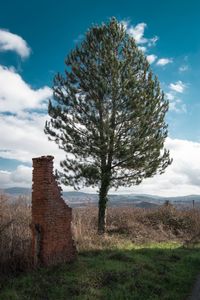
(151, 58)
(4, 179)
(25, 137)
(21, 174)
(142, 48)
(164, 61)
(180, 178)
(175, 103)
(170, 96)
(22, 129)
(16, 95)
(183, 68)
(137, 32)
(178, 106)
(178, 86)
(21, 177)
(153, 41)
(13, 42)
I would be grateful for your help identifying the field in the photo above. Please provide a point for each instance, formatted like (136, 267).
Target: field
(145, 254)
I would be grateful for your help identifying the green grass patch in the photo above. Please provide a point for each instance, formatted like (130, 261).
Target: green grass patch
(156, 271)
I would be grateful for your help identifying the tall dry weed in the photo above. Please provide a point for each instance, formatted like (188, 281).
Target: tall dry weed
(15, 235)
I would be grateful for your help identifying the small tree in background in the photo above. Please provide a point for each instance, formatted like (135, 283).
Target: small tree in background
(107, 114)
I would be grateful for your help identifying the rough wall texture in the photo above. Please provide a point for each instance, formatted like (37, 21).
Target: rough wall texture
(51, 217)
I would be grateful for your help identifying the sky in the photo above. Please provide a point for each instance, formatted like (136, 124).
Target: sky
(35, 38)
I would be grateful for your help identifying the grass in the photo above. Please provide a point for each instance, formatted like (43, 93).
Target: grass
(146, 254)
(128, 271)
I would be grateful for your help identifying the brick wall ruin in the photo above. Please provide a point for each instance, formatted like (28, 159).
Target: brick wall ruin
(51, 217)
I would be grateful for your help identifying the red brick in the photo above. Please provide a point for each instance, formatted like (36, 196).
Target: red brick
(52, 240)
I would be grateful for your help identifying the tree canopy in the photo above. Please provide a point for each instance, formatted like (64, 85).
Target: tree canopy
(108, 114)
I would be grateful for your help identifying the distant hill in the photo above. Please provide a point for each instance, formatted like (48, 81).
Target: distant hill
(81, 199)
(145, 204)
(17, 191)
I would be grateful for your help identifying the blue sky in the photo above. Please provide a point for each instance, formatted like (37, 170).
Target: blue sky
(36, 36)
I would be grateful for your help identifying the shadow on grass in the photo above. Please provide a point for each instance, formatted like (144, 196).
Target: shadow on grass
(145, 273)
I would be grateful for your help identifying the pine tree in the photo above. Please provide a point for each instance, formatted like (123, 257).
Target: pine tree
(107, 114)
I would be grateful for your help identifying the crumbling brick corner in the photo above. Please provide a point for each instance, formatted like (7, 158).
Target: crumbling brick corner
(52, 241)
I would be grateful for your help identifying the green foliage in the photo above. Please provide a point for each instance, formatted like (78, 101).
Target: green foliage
(108, 113)
(150, 272)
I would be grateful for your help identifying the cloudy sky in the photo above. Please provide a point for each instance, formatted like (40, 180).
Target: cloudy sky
(36, 36)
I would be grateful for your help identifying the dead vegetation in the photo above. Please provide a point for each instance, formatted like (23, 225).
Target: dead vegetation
(15, 235)
(137, 225)
(124, 225)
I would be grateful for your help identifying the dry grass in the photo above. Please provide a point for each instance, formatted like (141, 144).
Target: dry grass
(15, 235)
(125, 225)
(136, 225)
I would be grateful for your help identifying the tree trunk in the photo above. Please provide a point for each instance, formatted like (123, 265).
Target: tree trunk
(102, 216)
(103, 206)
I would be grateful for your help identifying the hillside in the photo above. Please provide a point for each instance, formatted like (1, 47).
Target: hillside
(81, 199)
